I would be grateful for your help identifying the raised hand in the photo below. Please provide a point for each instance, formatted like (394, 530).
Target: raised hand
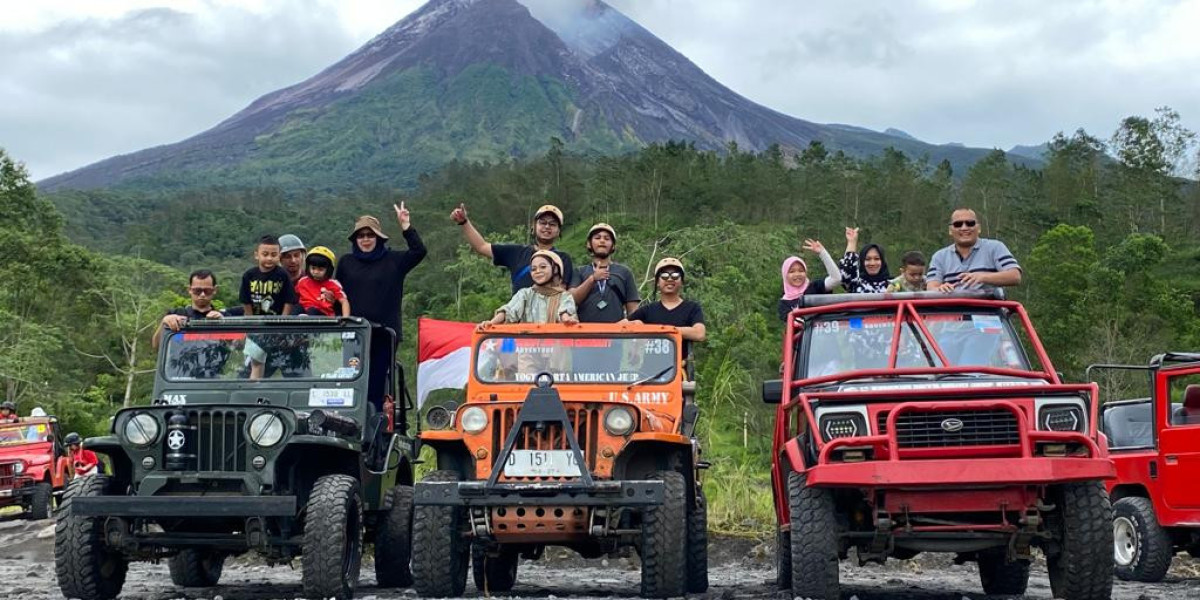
(402, 216)
(851, 235)
(814, 246)
(459, 215)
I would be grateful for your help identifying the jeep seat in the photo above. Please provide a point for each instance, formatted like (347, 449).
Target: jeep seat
(1189, 412)
(1130, 425)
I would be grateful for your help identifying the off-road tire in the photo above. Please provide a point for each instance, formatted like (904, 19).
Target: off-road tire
(697, 545)
(440, 552)
(664, 540)
(393, 541)
(494, 573)
(85, 567)
(1152, 547)
(1082, 566)
(196, 568)
(41, 502)
(783, 560)
(332, 552)
(814, 541)
(1001, 577)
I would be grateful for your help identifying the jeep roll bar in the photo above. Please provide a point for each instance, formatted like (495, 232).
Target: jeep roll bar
(811, 301)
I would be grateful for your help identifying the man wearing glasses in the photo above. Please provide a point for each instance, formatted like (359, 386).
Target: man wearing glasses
(547, 227)
(672, 308)
(971, 262)
(202, 286)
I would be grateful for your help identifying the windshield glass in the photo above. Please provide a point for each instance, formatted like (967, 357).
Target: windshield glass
(841, 343)
(13, 435)
(236, 355)
(576, 359)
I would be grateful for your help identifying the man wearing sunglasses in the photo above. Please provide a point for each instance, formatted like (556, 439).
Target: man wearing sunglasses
(202, 286)
(971, 262)
(671, 308)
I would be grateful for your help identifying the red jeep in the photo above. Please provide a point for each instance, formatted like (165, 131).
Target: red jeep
(916, 423)
(33, 465)
(1155, 444)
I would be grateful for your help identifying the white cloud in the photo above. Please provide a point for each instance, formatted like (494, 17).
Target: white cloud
(84, 80)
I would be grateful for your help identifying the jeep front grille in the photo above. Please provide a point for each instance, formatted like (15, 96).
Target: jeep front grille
(918, 429)
(584, 421)
(220, 439)
(8, 475)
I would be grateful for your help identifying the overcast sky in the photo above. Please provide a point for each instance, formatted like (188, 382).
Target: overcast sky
(84, 79)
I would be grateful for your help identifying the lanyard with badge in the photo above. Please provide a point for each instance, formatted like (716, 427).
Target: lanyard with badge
(602, 286)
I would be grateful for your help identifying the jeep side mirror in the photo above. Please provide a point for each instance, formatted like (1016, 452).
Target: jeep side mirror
(772, 391)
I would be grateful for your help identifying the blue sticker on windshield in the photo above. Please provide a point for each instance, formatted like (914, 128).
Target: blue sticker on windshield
(856, 323)
(987, 323)
(508, 345)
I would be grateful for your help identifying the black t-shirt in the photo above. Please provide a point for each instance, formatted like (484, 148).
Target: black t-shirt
(688, 313)
(267, 292)
(606, 303)
(814, 287)
(190, 312)
(516, 257)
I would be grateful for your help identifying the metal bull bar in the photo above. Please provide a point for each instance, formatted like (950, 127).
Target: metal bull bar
(542, 407)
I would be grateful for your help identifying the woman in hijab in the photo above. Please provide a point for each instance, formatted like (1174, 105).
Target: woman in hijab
(546, 302)
(867, 274)
(796, 283)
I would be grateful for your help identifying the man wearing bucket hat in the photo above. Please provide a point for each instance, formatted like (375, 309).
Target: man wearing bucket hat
(547, 227)
(671, 308)
(607, 292)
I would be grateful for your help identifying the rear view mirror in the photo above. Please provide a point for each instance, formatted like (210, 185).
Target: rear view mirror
(772, 391)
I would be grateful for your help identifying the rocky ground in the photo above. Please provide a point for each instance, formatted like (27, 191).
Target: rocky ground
(741, 569)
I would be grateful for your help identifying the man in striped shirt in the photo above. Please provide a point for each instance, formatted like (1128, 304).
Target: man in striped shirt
(971, 262)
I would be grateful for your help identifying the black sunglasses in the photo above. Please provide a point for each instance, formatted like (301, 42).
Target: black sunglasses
(961, 224)
(670, 275)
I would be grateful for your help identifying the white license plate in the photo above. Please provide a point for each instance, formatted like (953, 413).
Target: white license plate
(541, 463)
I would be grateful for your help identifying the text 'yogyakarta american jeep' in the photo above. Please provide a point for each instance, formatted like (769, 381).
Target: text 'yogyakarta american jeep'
(916, 423)
(577, 436)
(265, 435)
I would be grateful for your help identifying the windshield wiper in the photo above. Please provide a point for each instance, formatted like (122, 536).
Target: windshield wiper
(652, 377)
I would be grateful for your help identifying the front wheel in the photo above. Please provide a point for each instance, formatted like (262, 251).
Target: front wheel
(194, 568)
(494, 573)
(332, 552)
(41, 502)
(85, 567)
(814, 540)
(664, 539)
(393, 541)
(1081, 567)
(1142, 549)
(1002, 577)
(697, 545)
(440, 552)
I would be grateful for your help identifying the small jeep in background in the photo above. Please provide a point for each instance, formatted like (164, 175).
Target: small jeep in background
(576, 436)
(1151, 416)
(264, 435)
(34, 468)
(917, 422)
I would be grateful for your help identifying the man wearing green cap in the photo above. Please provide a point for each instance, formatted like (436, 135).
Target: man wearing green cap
(547, 227)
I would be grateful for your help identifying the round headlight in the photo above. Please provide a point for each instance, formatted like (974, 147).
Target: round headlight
(266, 429)
(19, 467)
(618, 421)
(141, 430)
(473, 419)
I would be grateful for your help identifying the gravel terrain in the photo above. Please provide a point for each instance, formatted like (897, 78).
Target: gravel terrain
(741, 569)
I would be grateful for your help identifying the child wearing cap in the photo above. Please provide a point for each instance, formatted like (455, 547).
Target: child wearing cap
(544, 302)
(317, 289)
(266, 288)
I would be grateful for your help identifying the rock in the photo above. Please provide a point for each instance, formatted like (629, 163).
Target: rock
(45, 533)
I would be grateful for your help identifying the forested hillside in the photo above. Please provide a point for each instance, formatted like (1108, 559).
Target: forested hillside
(1106, 233)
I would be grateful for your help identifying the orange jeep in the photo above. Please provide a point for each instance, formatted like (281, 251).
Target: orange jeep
(593, 426)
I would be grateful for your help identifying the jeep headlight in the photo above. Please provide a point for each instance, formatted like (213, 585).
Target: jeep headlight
(266, 429)
(473, 419)
(842, 424)
(1064, 417)
(618, 421)
(141, 430)
(19, 467)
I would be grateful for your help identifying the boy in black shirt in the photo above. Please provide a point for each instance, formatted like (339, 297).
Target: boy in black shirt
(547, 227)
(606, 291)
(672, 309)
(266, 288)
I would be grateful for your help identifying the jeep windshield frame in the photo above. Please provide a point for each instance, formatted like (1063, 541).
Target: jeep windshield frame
(235, 351)
(910, 319)
(611, 357)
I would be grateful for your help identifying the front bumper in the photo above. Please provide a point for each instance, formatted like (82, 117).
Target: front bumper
(961, 472)
(478, 493)
(183, 506)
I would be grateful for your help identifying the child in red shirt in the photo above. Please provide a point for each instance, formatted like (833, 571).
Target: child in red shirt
(318, 290)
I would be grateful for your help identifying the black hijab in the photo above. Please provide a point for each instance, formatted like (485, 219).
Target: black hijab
(882, 276)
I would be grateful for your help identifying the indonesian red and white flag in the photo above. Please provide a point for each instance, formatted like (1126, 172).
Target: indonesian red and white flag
(443, 355)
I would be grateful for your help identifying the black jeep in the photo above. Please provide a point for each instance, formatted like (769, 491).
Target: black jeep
(265, 435)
